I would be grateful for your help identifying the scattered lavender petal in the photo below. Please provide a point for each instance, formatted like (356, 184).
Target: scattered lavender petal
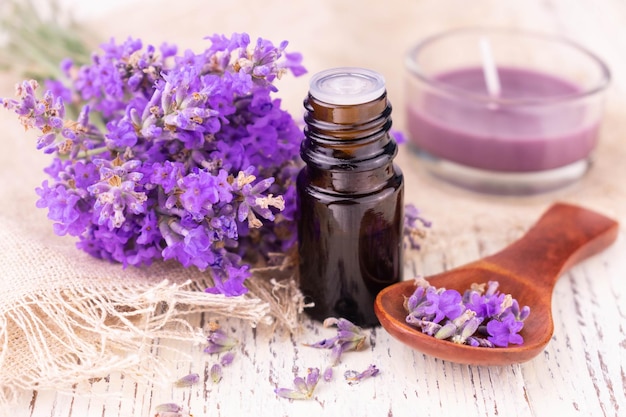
(187, 381)
(354, 377)
(216, 373)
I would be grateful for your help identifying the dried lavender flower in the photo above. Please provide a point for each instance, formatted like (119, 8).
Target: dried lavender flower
(187, 381)
(481, 317)
(216, 373)
(181, 413)
(328, 374)
(304, 387)
(227, 358)
(168, 408)
(414, 226)
(459, 329)
(171, 410)
(349, 337)
(219, 341)
(184, 157)
(354, 377)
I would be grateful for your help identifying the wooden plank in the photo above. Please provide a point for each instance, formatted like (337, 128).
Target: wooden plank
(580, 373)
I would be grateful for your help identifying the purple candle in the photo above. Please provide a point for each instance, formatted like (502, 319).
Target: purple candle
(537, 133)
(500, 138)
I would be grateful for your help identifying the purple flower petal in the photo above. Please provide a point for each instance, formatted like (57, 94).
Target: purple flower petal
(183, 126)
(447, 315)
(228, 358)
(216, 373)
(354, 377)
(502, 332)
(304, 386)
(187, 381)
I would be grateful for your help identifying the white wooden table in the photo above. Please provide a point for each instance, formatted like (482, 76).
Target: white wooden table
(582, 372)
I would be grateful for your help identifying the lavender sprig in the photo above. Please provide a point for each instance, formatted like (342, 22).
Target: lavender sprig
(173, 156)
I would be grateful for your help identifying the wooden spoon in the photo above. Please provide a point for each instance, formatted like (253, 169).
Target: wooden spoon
(527, 269)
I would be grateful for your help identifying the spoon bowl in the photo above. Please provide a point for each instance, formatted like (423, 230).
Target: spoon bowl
(528, 269)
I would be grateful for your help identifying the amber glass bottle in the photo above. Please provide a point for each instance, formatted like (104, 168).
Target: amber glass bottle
(350, 196)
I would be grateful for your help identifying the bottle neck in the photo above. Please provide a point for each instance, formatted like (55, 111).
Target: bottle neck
(347, 146)
(346, 122)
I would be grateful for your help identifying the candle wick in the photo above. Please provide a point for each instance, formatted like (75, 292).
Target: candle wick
(490, 71)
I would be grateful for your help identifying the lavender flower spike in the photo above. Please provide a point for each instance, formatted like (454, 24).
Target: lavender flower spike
(171, 156)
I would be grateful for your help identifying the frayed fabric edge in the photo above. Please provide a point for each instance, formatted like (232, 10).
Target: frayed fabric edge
(86, 333)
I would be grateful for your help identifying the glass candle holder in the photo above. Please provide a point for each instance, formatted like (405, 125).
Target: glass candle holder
(504, 111)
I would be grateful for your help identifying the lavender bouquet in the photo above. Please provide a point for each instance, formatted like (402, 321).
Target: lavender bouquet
(183, 157)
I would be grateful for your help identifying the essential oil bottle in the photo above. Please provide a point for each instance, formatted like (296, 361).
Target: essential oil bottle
(350, 196)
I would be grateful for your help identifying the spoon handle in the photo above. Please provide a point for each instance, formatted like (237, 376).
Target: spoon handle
(565, 235)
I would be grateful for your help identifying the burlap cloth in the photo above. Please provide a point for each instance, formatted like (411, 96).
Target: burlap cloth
(66, 317)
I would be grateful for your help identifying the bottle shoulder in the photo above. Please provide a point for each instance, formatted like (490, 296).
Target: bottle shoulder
(358, 187)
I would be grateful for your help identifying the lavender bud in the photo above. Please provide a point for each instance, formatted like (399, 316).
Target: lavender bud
(227, 359)
(467, 315)
(300, 384)
(447, 331)
(216, 373)
(187, 381)
(467, 330)
(46, 140)
(218, 342)
(492, 287)
(313, 376)
(524, 313)
(430, 328)
(168, 408)
(304, 387)
(328, 374)
(507, 302)
(290, 394)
